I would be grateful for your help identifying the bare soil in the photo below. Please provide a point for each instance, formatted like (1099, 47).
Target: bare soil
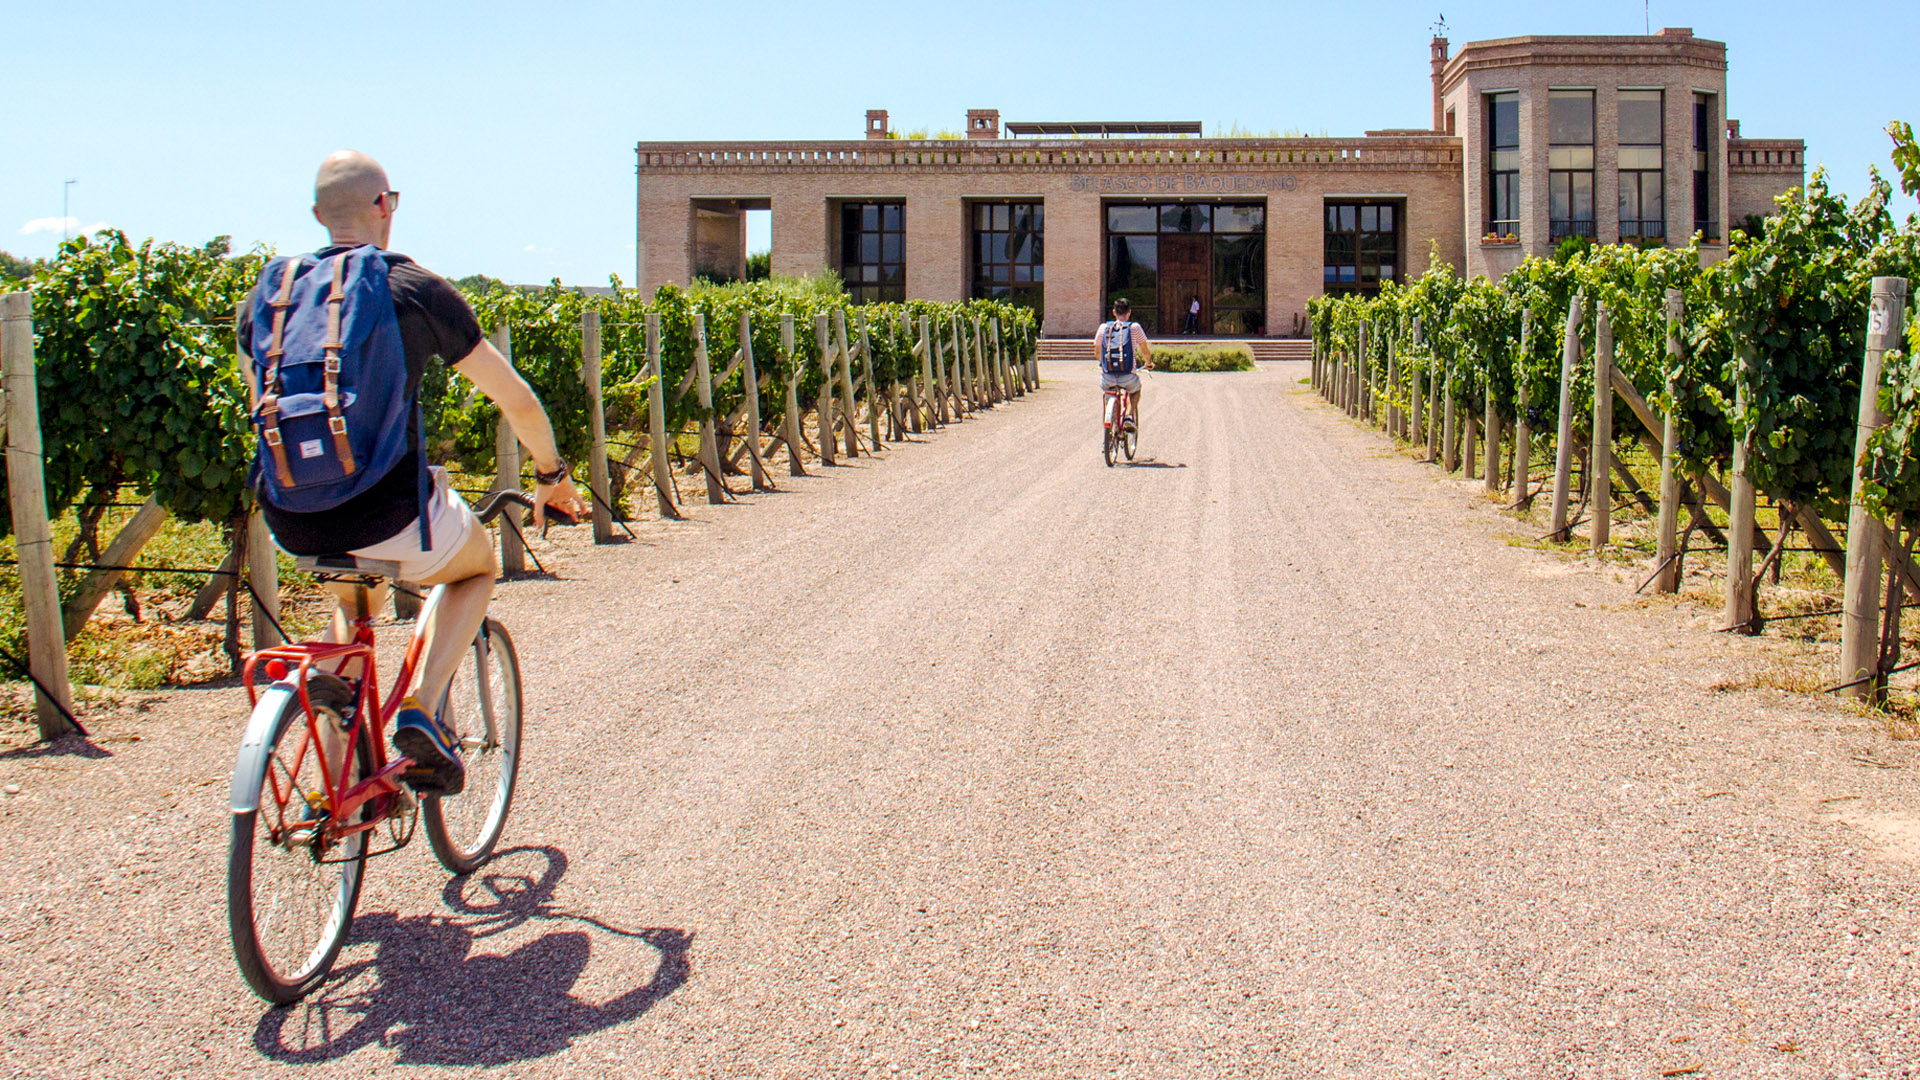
(1267, 756)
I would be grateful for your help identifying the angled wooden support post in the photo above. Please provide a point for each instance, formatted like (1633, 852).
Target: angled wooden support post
(1860, 645)
(750, 380)
(1666, 555)
(962, 390)
(790, 422)
(823, 402)
(703, 386)
(937, 363)
(33, 535)
(659, 449)
(1600, 467)
(1563, 447)
(843, 360)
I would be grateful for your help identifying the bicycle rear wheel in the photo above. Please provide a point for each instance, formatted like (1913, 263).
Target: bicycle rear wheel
(1106, 446)
(483, 707)
(290, 895)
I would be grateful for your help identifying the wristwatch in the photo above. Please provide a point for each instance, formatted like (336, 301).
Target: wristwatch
(554, 477)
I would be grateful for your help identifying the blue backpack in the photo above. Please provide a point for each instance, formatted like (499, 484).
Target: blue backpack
(333, 406)
(1116, 356)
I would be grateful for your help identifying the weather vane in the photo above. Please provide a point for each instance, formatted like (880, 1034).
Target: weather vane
(1440, 27)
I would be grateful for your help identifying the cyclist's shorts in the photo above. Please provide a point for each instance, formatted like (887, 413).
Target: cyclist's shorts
(452, 521)
(1130, 382)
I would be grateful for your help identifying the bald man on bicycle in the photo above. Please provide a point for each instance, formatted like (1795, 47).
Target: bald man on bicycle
(1123, 349)
(339, 341)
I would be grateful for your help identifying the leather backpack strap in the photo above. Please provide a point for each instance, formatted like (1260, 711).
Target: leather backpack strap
(267, 413)
(330, 394)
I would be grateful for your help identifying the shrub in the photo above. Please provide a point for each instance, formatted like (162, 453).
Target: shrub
(1205, 358)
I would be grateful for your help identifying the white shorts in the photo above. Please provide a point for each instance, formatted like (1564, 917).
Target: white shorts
(452, 522)
(1130, 382)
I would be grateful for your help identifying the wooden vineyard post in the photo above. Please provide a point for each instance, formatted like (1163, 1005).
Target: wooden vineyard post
(937, 361)
(263, 563)
(750, 379)
(962, 381)
(1469, 460)
(597, 417)
(823, 404)
(1490, 432)
(1449, 425)
(1361, 385)
(703, 386)
(1395, 416)
(873, 388)
(932, 391)
(790, 425)
(506, 471)
(263, 579)
(1739, 615)
(1415, 424)
(995, 392)
(1667, 577)
(659, 449)
(1563, 446)
(839, 361)
(1860, 622)
(33, 535)
(1014, 387)
(1600, 467)
(1522, 473)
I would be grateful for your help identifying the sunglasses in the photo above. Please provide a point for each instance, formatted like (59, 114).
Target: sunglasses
(392, 199)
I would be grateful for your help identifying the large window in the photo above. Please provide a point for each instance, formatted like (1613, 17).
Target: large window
(1643, 206)
(1166, 258)
(1569, 163)
(1703, 125)
(873, 259)
(1362, 246)
(1503, 164)
(1008, 253)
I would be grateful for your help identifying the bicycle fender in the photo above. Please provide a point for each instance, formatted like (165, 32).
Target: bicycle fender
(256, 745)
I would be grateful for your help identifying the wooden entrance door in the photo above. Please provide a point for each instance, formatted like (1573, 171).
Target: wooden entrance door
(1186, 271)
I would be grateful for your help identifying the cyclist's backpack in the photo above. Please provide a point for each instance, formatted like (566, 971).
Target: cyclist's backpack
(333, 411)
(1116, 348)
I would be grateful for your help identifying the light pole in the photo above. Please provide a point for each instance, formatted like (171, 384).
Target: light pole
(66, 217)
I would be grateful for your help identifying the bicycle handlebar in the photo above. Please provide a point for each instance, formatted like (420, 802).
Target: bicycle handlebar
(495, 504)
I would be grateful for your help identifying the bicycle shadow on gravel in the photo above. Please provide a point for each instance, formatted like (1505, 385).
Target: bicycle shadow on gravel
(428, 995)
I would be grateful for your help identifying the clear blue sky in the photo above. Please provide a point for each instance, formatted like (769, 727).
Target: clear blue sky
(510, 126)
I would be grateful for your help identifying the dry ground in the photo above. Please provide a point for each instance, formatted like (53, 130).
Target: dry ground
(1267, 757)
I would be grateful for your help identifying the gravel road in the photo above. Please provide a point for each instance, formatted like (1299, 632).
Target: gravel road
(1268, 756)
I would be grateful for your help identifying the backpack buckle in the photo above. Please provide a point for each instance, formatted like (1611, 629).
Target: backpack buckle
(271, 434)
(337, 425)
(333, 364)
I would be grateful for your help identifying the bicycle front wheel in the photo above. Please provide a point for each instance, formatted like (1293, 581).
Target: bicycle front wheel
(483, 708)
(1133, 442)
(291, 893)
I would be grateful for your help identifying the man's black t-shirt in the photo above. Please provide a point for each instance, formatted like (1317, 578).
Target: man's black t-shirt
(435, 320)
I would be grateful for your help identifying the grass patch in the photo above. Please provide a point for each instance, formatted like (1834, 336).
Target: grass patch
(1188, 358)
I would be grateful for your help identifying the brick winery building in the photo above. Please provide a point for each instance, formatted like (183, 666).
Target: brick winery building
(1534, 139)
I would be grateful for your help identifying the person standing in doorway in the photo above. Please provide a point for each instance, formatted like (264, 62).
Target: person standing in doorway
(1193, 318)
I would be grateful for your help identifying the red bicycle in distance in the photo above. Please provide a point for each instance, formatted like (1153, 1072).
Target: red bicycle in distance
(1118, 432)
(313, 781)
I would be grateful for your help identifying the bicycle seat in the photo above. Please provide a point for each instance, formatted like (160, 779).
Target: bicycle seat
(347, 566)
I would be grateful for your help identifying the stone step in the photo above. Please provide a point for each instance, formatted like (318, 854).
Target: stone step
(1077, 348)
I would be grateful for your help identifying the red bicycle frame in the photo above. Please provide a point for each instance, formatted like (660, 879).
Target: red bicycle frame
(299, 661)
(1116, 405)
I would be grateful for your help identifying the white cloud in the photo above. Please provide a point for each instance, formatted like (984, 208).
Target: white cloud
(59, 225)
